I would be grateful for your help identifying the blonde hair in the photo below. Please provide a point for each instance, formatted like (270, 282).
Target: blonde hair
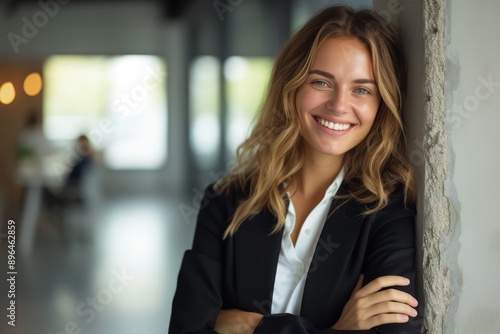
(272, 154)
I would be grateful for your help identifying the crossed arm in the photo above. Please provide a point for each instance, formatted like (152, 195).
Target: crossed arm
(369, 306)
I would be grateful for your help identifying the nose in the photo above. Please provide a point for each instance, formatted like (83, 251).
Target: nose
(337, 101)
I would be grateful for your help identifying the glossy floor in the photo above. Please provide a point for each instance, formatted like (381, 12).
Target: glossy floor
(113, 273)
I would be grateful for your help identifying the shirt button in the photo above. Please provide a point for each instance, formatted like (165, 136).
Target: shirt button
(307, 231)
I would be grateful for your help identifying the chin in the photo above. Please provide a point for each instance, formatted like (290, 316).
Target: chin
(334, 152)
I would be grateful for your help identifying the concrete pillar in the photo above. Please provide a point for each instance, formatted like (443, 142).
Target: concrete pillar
(422, 27)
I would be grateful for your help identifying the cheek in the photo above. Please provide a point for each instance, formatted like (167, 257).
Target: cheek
(367, 113)
(307, 99)
(369, 122)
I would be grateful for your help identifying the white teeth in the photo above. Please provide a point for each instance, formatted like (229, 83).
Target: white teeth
(333, 126)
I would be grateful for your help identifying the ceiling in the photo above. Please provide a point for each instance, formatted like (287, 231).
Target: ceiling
(170, 8)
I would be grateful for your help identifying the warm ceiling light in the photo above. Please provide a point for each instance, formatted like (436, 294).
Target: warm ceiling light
(33, 84)
(7, 93)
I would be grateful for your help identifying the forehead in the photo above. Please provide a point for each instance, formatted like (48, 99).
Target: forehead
(343, 53)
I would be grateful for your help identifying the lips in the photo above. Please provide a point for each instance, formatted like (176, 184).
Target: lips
(332, 125)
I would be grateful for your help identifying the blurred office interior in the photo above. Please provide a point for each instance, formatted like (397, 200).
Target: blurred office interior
(165, 91)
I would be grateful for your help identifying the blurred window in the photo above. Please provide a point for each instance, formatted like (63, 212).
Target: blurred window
(204, 93)
(119, 102)
(246, 83)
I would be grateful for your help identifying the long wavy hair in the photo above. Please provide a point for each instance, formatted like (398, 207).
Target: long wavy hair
(272, 155)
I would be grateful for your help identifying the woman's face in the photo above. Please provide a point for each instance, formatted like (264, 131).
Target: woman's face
(338, 102)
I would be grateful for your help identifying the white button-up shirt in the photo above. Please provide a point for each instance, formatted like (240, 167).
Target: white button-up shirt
(294, 262)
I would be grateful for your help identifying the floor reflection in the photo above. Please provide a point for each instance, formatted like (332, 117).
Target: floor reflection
(114, 274)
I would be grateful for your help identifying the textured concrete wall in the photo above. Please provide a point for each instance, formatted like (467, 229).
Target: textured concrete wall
(437, 227)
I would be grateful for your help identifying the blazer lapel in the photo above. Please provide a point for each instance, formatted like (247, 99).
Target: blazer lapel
(335, 262)
(256, 253)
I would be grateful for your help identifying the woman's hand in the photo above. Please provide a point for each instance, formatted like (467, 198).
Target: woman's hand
(371, 306)
(237, 322)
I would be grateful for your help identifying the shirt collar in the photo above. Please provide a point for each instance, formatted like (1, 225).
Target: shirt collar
(331, 191)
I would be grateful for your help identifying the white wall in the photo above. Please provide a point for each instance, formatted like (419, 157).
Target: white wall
(473, 109)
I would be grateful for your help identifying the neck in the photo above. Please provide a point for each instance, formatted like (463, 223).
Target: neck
(317, 173)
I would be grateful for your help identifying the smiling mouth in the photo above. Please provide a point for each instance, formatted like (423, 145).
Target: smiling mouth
(332, 125)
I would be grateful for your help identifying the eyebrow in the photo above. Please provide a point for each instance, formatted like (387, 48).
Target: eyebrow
(330, 76)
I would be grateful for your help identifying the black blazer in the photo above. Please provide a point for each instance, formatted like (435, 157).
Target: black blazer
(239, 272)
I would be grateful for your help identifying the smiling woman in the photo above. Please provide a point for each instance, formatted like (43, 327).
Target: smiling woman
(338, 102)
(313, 230)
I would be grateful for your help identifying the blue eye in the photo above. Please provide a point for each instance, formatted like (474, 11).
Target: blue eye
(320, 83)
(362, 91)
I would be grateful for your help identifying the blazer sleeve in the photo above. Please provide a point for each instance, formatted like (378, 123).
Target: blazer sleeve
(292, 324)
(391, 251)
(197, 299)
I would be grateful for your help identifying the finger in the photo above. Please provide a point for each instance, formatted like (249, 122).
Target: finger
(389, 295)
(383, 319)
(382, 282)
(391, 308)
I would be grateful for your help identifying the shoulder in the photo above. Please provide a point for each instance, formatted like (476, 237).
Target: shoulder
(218, 205)
(396, 218)
(398, 206)
(229, 195)
(397, 203)
(214, 216)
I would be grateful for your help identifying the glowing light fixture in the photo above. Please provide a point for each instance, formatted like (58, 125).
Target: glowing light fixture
(33, 84)
(7, 93)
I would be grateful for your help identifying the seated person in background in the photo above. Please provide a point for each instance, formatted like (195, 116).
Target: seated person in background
(81, 164)
(71, 189)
